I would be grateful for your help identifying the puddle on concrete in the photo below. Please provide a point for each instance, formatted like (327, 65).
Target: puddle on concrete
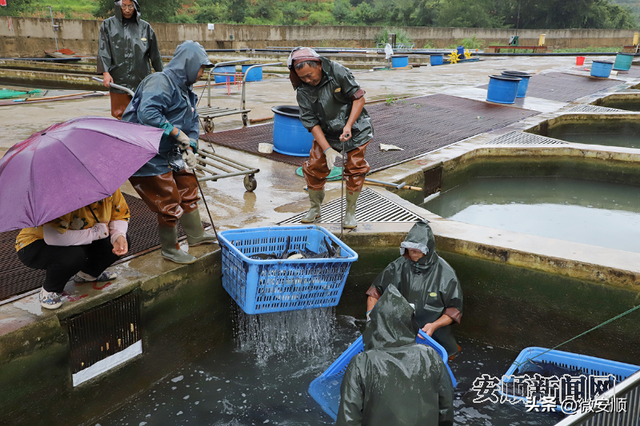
(609, 133)
(263, 376)
(598, 213)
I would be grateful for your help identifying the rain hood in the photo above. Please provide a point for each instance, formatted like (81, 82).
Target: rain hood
(166, 100)
(430, 283)
(395, 381)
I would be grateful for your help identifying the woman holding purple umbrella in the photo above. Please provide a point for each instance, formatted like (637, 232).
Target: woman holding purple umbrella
(80, 244)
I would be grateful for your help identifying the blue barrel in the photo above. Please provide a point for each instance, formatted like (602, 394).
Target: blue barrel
(290, 137)
(524, 83)
(436, 59)
(601, 69)
(502, 89)
(231, 70)
(399, 61)
(623, 61)
(461, 52)
(254, 75)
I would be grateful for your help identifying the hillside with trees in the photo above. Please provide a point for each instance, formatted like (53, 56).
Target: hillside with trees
(550, 14)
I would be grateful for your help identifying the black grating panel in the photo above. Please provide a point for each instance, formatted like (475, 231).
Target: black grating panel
(103, 331)
(432, 181)
(417, 125)
(562, 87)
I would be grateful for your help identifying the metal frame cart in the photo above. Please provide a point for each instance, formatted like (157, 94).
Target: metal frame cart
(217, 166)
(209, 113)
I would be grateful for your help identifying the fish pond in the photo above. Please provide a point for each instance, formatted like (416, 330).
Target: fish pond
(584, 211)
(261, 377)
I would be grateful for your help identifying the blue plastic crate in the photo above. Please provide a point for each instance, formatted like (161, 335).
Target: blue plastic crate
(261, 286)
(325, 389)
(588, 365)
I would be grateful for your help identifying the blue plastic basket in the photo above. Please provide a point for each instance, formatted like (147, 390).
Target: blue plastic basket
(325, 389)
(261, 286)
(588, 365)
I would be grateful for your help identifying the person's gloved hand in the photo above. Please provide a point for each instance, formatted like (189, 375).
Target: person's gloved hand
(331, 155)
(189, 159)
(99, 231)
(183, 140)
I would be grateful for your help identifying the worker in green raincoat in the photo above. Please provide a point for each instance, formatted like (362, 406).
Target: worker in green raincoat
(426, 280)
(332, 108)
(127, 44)
(395, 381)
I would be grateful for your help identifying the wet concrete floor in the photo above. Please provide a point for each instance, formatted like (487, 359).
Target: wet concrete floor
(279, 192)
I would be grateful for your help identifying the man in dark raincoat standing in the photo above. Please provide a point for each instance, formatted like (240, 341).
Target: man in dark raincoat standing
(332, 109)
(166, 100)
(127, 44)
(395, 381)
(426, 280)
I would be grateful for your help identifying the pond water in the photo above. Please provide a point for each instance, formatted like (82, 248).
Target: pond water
(262, 377)
(598, 213)
(609, 133)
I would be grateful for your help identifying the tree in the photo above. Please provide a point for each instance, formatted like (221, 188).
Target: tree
(17, 8)
(470, 14)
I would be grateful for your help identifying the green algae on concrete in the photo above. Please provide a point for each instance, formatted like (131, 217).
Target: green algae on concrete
(516, 307)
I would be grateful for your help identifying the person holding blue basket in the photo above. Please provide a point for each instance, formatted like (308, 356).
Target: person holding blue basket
(395, 381)
(426, 280)
(332, 108)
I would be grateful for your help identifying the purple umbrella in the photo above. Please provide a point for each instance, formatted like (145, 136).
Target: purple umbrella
(70, 165)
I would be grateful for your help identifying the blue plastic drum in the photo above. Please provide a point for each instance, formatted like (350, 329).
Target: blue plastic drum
(601, 69)
(399, 61)
(231, 70)
(503, 89)
(290, 137)
(524, 83)
(254, 75)
(436, 59)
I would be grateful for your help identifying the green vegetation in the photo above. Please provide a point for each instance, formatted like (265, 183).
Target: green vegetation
(551, 14)
(402, 38)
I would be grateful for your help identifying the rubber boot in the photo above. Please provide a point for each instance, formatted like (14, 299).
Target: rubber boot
(350, 212)
(196, 234)
(315, 197)
(170, 248)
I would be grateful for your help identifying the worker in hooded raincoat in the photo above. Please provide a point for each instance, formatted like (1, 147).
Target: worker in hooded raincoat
(426, 280)
(127, 44)
(332, 108)
(166, 183)
(395, 381)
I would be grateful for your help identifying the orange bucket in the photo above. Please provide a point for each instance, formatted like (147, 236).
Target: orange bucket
(580, 60)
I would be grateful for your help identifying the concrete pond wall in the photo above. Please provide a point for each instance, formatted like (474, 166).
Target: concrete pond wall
(29, 37)
(185, 311)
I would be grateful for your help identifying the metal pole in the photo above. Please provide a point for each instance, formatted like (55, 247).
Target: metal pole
(54, 27)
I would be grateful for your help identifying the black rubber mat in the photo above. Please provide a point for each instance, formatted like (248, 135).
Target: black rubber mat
(15, 278)
(557, 86)
(417, 125)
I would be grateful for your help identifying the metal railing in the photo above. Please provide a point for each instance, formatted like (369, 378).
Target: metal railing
(611, 412)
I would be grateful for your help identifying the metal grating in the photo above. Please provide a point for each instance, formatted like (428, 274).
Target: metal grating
(522, 138)
(418, 125)
(371, 208)
(594, 108)
(103, 331)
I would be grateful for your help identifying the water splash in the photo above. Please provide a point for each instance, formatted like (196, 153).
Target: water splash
(305, 332)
